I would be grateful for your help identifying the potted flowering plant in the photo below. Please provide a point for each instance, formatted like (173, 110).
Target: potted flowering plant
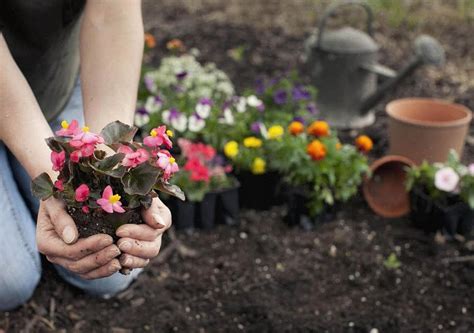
(259, 186)
(319, 170)
(103, 192)
(208, 185)
(442, 196)
(182, 94)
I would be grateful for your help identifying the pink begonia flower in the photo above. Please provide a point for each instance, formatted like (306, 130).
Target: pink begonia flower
(85, 137)
(446, 179)
(110, 202)
(82, 193)
(133, 158)
(167, 163)
(86, 209)
(470, 168)
(159, 136)
(58, 160)
(68, 129)
(85, 151)
(59, 184)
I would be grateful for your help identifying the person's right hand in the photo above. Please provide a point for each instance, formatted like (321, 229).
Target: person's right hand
(57, 238)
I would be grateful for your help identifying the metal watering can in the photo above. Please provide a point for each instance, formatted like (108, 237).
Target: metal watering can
(343, 66)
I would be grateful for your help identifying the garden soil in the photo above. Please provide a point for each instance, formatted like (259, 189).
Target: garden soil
(264, 276)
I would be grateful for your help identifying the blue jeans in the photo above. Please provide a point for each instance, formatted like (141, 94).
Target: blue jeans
(19, 258)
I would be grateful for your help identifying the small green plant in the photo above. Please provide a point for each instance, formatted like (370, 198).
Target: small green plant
(392, 262)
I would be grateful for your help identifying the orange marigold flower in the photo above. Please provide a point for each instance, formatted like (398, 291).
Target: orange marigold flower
(316, 149)
(364, 143)
(150, 41)
(175, 44)
(296, 128)
(319, 128)
(338, 145)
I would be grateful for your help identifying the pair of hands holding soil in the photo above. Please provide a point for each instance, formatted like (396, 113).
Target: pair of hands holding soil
(97, 256)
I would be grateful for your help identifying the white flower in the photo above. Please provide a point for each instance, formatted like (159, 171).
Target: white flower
(203, 110)
(179, 123)
(165, 117)
(141, 118)
(227, 118)
(253, 101)
(470, 169)
(241, 105)
(153, 104)
(195, 123)
(446, 179)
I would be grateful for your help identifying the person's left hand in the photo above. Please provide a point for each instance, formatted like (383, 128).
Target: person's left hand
(141, 242)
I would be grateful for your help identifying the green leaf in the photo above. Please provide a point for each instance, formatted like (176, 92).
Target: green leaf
(140, 180)
(107, 165)
(59, 143)
(171, 190)
(116, 132)
(42, 186)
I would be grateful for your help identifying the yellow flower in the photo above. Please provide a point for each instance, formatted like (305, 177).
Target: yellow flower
(275, 132)
(252, 142)
(258, 166)
(231, 149)
(338, 145)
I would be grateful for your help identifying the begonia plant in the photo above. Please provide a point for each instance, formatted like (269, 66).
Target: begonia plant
(103, 191)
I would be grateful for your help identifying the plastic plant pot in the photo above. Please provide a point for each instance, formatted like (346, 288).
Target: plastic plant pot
(183, 214)
(259, 192)
(456, 217)
(385, 190)
(227, 206)
(298, 212)
(206, 211)
(426, 129)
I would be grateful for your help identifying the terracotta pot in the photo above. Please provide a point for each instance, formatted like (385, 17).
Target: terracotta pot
(385, 190)
(426, 129)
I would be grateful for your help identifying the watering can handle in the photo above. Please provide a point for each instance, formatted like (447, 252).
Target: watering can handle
(333, 8)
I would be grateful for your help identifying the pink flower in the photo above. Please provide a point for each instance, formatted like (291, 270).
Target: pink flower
(68, 129)
(158, 136)
(133, 158)
(167, 163)
(446, 179)
(85, 151)
(82, 193)
(110, 202)
(58, 160)
(86, 209)
(59, 184)
(85, 137)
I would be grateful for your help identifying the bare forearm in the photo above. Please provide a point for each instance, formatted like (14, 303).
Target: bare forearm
(111, 55)
(23, 127)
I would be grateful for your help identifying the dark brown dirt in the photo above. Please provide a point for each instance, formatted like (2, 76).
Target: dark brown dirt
(264, 276)
(97, 222)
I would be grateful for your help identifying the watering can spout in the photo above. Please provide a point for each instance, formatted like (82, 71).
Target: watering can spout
(428, 51)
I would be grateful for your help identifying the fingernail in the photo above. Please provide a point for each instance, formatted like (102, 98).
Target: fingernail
(114, 252)
(125, 246)
(127, 261)
(114, 267)
(158, 219)
(123, 233)
(68, 235)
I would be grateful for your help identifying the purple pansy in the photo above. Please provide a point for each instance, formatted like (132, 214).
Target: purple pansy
(312, 109)
(300, 93)
(181, 75)
(280, 96)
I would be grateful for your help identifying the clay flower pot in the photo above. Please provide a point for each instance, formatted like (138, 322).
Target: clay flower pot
(385, 190)
(426, 129)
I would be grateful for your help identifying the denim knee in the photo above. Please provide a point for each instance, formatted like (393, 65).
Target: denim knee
(17, 287)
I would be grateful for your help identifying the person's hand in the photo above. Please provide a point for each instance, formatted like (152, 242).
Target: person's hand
(141, 242)
(57, 238)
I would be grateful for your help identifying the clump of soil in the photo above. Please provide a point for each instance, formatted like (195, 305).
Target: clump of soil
(97, 222)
